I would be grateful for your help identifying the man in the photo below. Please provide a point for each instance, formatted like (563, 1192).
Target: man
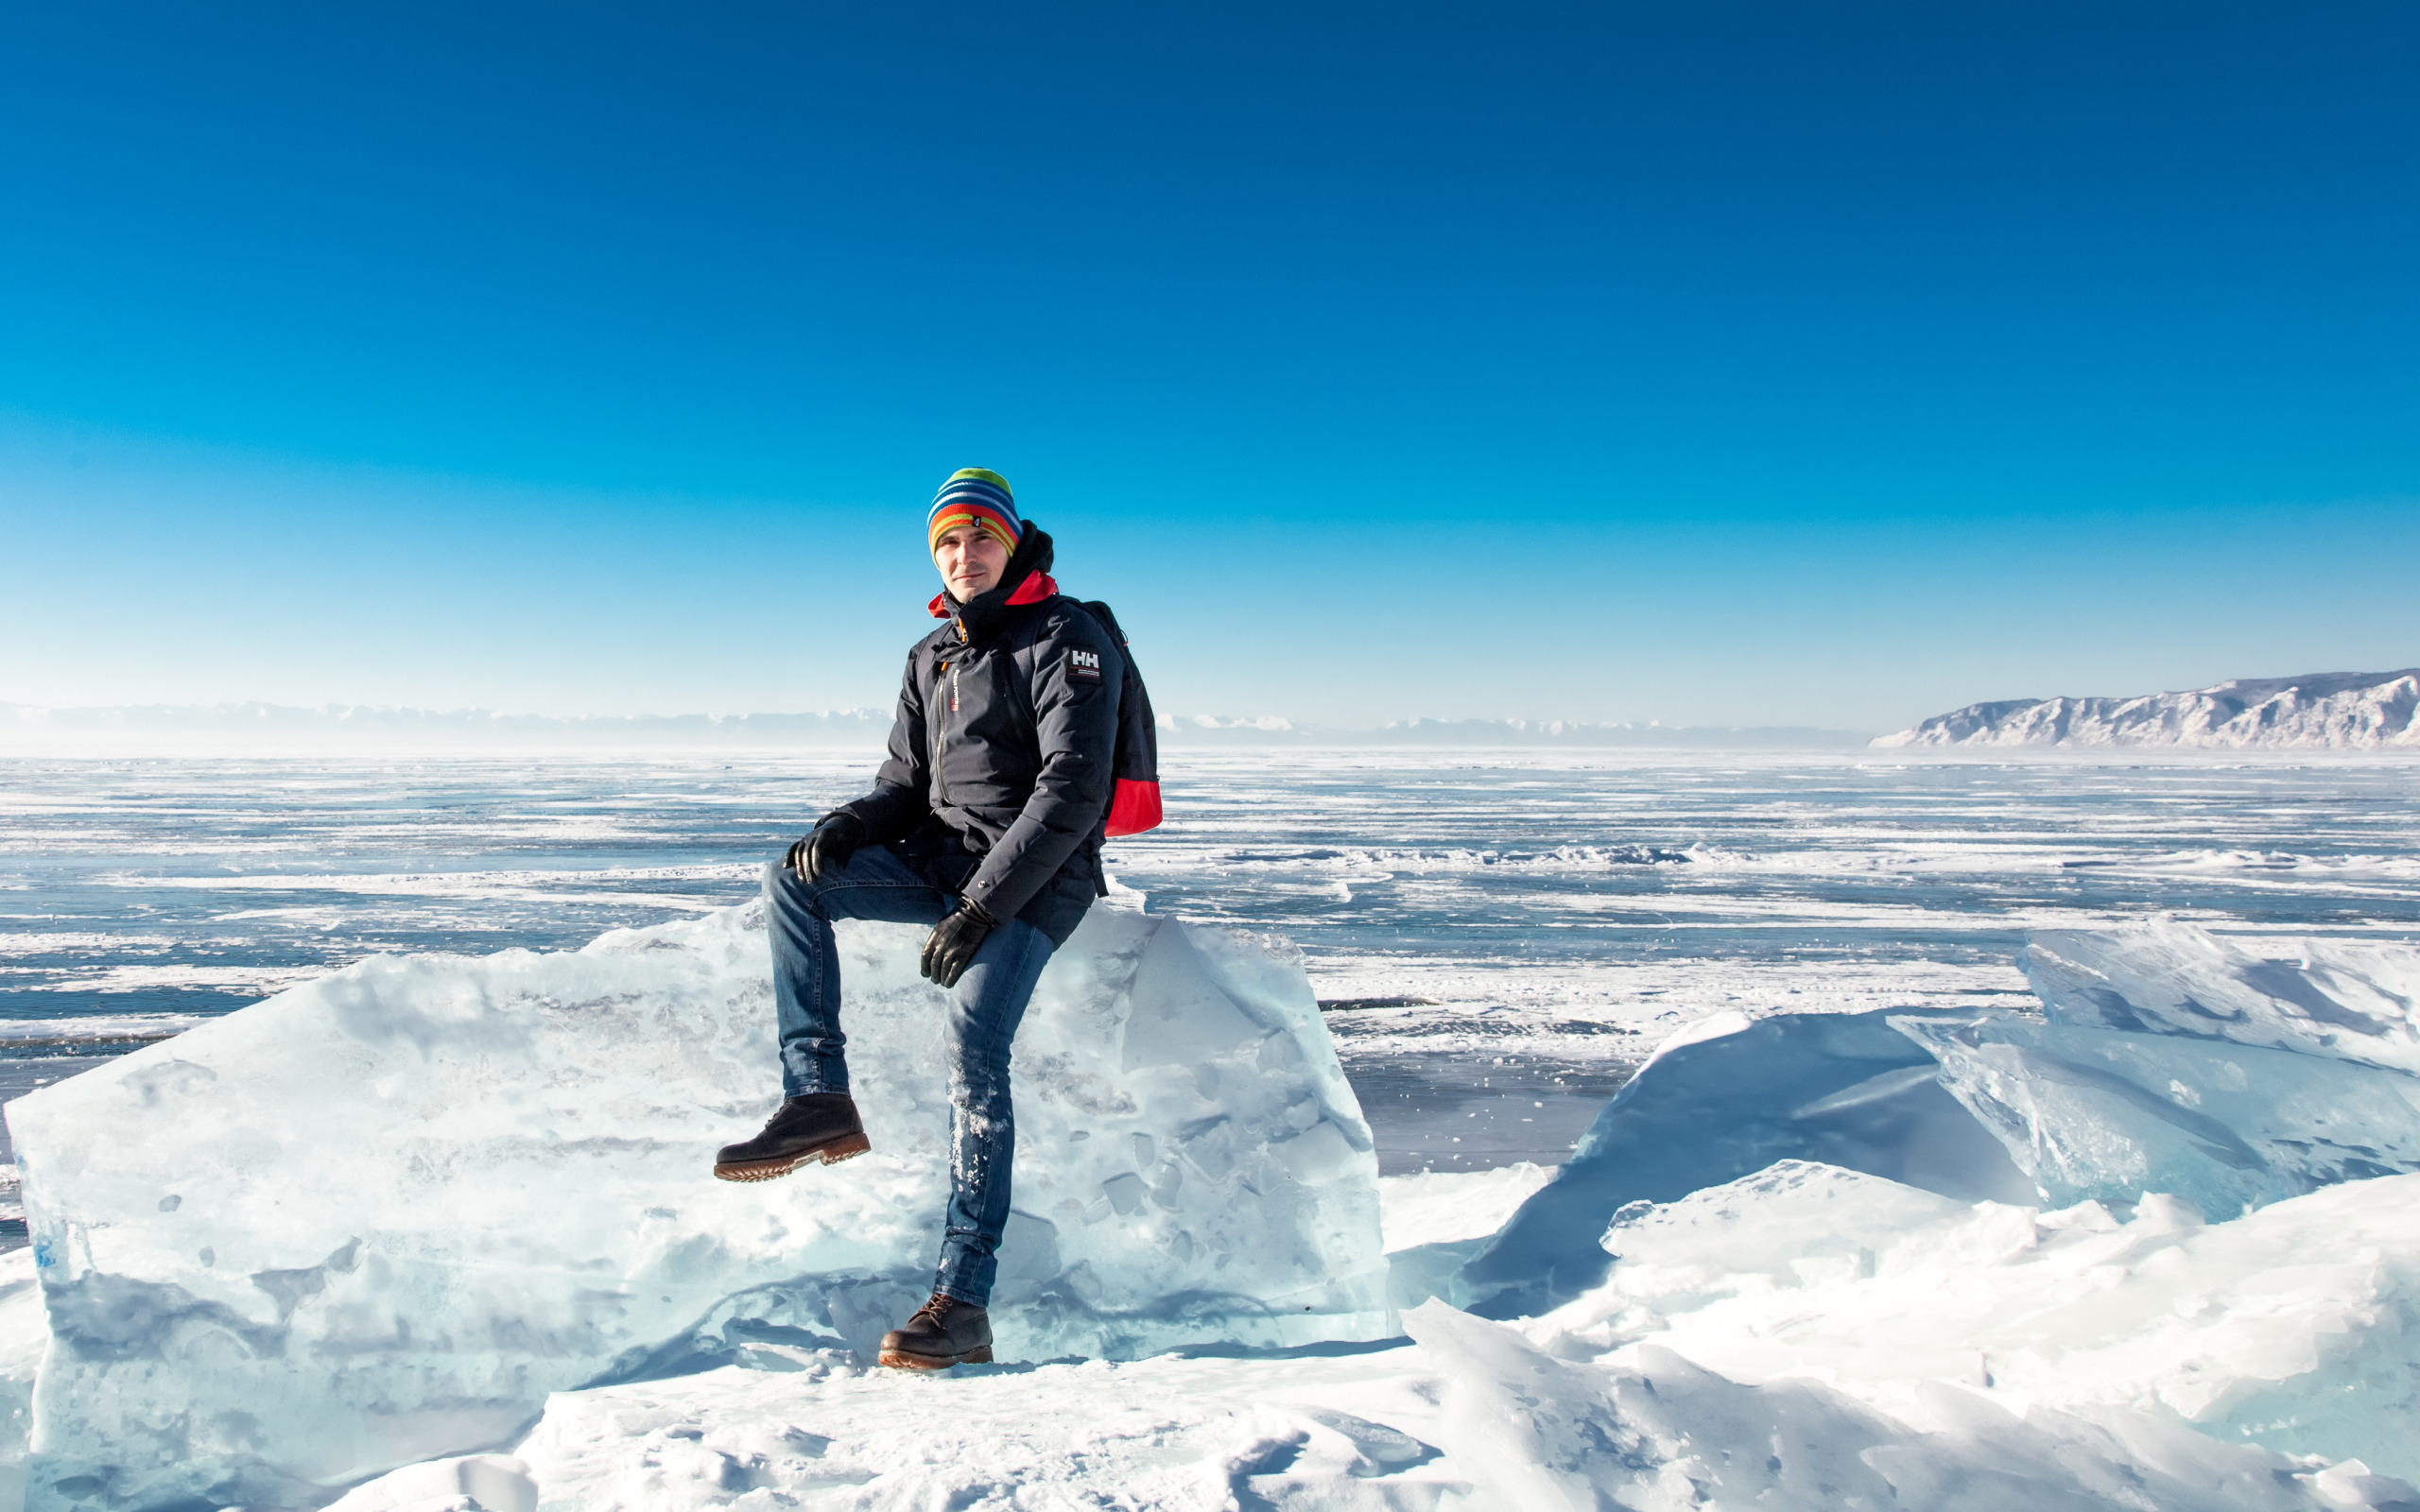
(986, 822)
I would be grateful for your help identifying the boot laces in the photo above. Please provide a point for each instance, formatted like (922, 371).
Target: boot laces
(938, 1309)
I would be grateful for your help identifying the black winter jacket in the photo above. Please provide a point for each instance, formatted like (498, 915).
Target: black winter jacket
(999, 772)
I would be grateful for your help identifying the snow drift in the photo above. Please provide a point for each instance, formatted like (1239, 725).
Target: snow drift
(376, 1219)
(2165, 1060)
(2325, 710)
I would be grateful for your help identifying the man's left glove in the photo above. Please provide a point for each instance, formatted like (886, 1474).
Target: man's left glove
(841, 835)
(950, 949)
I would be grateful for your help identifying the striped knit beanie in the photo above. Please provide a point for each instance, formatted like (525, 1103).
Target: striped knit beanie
(978, 496)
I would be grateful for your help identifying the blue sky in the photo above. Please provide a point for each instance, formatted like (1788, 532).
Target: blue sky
(1715, 362)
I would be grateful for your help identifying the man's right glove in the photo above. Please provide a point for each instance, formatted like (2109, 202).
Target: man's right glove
(827, 848)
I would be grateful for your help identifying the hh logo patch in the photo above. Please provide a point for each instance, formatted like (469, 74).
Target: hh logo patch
(1083, 666)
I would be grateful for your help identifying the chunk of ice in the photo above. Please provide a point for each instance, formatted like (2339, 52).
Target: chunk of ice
(416, 1195)
(2168, 1061)
(2104, 1113)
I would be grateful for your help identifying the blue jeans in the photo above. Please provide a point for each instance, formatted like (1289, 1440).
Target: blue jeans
(985, 1008)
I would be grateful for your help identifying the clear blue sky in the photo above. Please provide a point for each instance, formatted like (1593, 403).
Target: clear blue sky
(1702, 361)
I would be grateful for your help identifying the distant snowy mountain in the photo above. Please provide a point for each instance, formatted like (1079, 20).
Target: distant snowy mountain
(2325, 710)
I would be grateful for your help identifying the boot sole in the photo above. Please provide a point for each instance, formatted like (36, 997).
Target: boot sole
(901, 1360)
(832, 1154)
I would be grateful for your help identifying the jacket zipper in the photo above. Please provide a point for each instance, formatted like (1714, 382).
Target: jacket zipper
(940, 744)
(941, 784)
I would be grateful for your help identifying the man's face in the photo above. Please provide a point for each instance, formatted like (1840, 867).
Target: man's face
(971, 561)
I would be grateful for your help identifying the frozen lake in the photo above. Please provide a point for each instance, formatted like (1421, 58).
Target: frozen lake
(1498, 936)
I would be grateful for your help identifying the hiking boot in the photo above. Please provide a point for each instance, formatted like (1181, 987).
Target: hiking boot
(818, 1126)
(944, 1331)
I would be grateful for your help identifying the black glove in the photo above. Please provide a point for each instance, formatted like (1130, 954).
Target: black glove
(828, 848)
(950, 949)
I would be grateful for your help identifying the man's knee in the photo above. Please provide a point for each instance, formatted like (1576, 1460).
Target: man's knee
(784, 889)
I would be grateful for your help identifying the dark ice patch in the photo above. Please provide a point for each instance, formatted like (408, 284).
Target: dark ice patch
(2285, 982)
(101, 1317)
(2117, 1012)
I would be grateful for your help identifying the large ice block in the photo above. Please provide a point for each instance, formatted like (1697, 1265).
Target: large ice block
(376, 1218)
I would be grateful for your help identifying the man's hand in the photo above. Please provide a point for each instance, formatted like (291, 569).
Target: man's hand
(950, 950)
(827, 849)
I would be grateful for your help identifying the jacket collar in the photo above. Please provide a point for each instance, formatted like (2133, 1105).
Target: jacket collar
(1037, 587)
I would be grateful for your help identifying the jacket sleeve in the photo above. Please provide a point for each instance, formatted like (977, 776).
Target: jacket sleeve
(1076, 726)
(900, 798)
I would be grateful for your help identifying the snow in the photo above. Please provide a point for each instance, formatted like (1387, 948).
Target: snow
(376, 1219)
(491, 1483)
(1436, 1221)
(1653, 1429)
(2288, 1328)
(1305, 1430)
(2324, 710)
(1440, 1207)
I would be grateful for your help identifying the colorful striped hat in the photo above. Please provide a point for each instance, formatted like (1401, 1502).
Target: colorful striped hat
(979, 495)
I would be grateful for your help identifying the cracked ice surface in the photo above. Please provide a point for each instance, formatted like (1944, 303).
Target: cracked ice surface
(378, 1218)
